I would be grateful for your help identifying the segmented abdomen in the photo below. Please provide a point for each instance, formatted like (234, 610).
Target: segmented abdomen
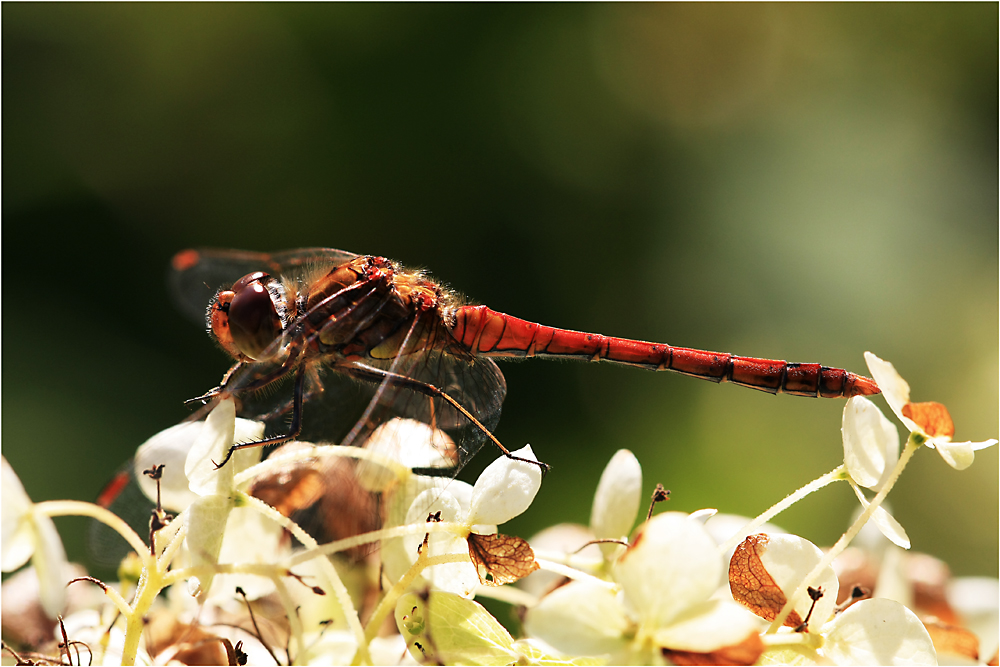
(487, 332)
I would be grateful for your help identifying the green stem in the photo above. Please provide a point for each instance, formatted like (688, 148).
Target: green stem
(110, 519)
(388, 603)
(573, 573)
(174, 546)
(509, 594)
(330, 573)
(376, 536)
(148, 589)
(912, 445)
(834, 475)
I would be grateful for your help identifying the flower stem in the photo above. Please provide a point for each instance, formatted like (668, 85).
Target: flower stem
(110, 519)
(388, 603)
(274, 463)
(912, 445)
(326, 567)
(834, 475)
(376, 536)
(150, 585)
(572, 573)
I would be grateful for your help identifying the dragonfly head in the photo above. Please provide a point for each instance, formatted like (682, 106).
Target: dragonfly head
(248, 318)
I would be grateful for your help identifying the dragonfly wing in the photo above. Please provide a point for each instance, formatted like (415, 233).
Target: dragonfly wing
(474, 382)
(105, 547)
(197, 274)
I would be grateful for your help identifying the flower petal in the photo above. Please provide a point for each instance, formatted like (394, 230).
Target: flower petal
(429, 502)
(731, 529)
(250, 538)
(449, 630)
(785, 560)
(977, 601)
(397, 555)
(702, 516)
(211, 447)
(672, 565)
(878, 632)
(505, 489)
(413, 443)
(17, 536)
(562, 538)
(959, 455)
(50, 564)
(709, 626)
(207, 518)
(580, 618)
(458, 578)
(932, 418)
(885, 523)
(616, 502)
(170, 449)
(894, 388)
(871, 442)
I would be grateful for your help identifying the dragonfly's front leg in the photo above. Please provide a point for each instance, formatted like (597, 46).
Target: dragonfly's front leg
(294, 429)
(217, 391)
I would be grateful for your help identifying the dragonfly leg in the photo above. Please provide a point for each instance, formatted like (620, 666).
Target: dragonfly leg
(369, 373)
(215, 391)
(293, 431)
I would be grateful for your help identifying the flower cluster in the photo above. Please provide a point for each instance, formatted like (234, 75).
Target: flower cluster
(233, 572)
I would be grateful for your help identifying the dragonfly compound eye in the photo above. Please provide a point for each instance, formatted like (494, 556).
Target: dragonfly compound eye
(254, 322)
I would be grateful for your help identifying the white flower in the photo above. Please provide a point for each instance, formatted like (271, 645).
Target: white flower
(871, 443)
(930, 420)
(171, 448)
(408, 443)
(504, 490)
(219, 530)
(27, 533)
(616, 501)
(871, 451)
(877, 632)
(668, 580)
(880, 632)
(765, 567)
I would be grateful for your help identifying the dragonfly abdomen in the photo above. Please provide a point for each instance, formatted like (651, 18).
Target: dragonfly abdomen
(487, 332)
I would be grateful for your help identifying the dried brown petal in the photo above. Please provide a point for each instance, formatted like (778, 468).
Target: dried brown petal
(744, 653)
(289, 490)
(188, 645)
(932, 417)
(501, 559)
(751, 584)
(930, 577)
(953, 639)
(323, 496)
(855, 567)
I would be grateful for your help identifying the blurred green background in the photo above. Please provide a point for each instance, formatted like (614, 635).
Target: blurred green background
(803, 182)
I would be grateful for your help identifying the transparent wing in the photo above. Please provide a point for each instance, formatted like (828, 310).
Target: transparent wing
(344, 406)
(431, 357)
(197, 274)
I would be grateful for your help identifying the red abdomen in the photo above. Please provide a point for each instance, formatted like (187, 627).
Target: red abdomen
(487, 332)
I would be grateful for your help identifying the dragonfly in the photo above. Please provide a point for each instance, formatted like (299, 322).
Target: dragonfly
(318, 315)
(363, 342)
